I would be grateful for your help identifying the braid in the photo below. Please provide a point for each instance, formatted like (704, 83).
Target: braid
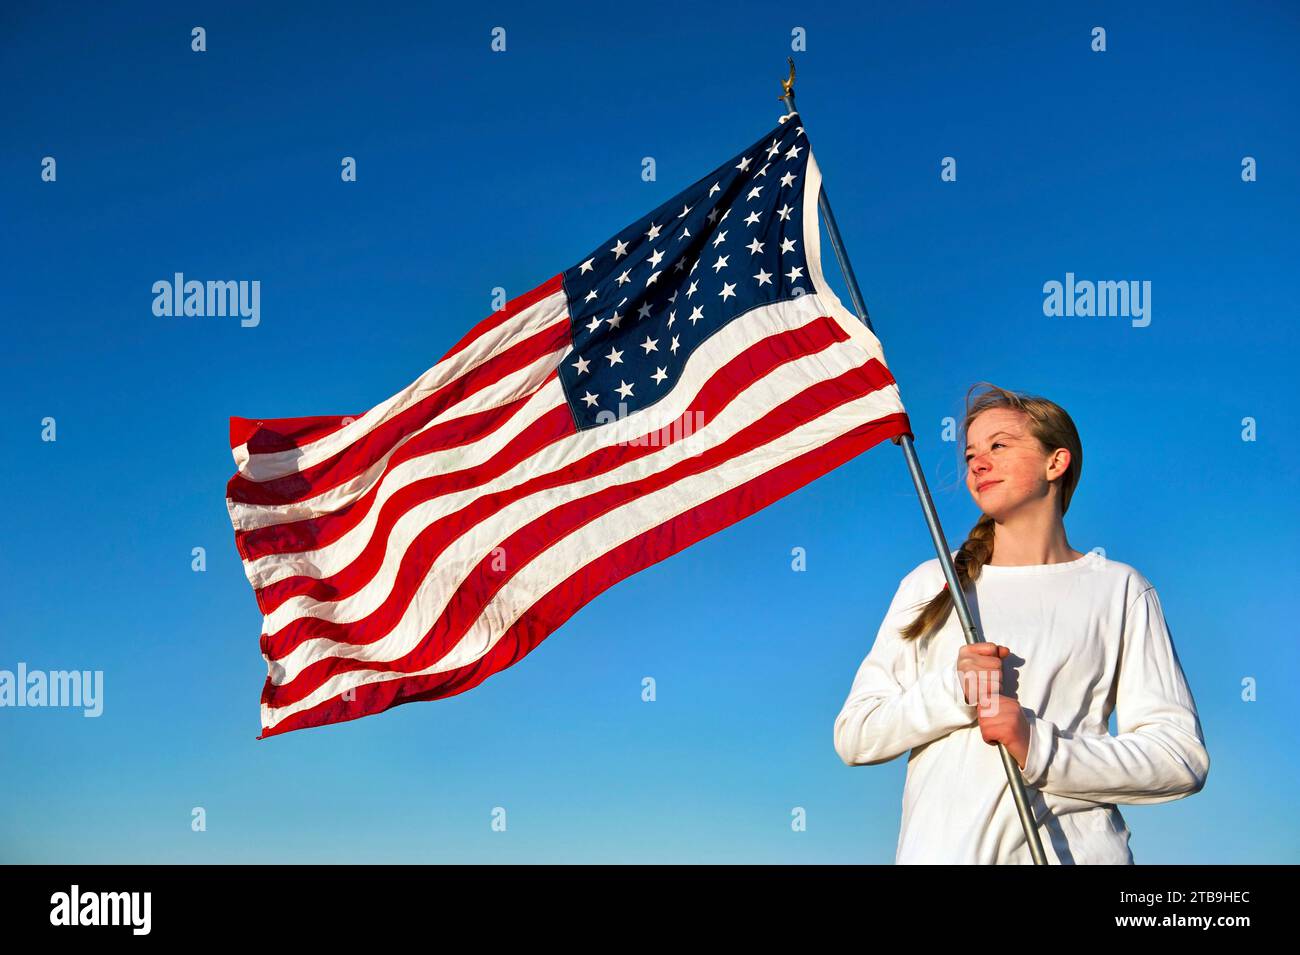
(974, 553)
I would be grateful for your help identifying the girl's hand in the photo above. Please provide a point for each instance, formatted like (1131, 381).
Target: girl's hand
(1003, 721)
(979, 666)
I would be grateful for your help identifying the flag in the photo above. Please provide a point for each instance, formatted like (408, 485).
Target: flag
(683, 374)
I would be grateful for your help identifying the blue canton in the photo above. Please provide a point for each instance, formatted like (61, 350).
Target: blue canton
(644, 300)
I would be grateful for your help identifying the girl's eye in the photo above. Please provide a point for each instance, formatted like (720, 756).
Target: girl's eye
(996, 444)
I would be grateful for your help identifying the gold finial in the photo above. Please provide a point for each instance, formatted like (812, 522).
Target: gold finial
(788, 85)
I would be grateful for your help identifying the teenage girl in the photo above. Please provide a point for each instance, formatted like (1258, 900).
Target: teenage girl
(1072, 637)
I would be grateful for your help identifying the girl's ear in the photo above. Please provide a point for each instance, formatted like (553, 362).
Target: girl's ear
(1058, 462)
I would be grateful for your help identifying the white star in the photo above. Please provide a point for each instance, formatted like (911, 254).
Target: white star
(681, 264)
(655, 259)
(650, 280)
(763, 171)
(774, 149)
(615, 357)
(795, 273)
(751, 218)
(586, 266)
(693, 289)
(686, 234)
(644, 310)
(721, 238)
(755, 192)
(672, 298)
(721, 264)
(694, 267)
(712, 216)
(682, 214)
(696, 314)
(673, 346)
(595, 324)
(624, 278)
(728, 290)
(799, 131)
(614, 319)
(590, 295)
(659, 376)
(724, 216)
(788, 179)
(619, 250)
(793, 153)
(784, 213)
(755, 247)
(650, 344)
(787, 245)
(624, 388)
(653, 233)
(581, 364)
(672, 317)
(743, 164)
(764, 278)
(589, 398)
(714, 188)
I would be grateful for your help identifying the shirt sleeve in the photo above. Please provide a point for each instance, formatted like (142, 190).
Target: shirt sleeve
(1159, 754)
(890, 709)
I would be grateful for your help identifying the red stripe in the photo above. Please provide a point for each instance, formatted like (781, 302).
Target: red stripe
(283, 434)
(551, 611)
(269, 435)
(363, 453)
(484, 581)
(421, 555)
(758, 360)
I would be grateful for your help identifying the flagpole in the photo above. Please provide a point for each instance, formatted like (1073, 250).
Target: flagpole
(968, 625)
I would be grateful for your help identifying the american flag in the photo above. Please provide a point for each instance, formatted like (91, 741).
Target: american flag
(685, 373)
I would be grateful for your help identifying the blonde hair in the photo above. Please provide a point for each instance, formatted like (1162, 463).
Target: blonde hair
(1053, 427)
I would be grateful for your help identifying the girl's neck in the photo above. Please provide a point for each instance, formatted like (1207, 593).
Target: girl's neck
(1031, 539)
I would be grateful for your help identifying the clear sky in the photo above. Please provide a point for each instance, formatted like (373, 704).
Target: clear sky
(479, 169)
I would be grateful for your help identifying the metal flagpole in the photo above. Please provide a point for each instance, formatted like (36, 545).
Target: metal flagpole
(968, 625)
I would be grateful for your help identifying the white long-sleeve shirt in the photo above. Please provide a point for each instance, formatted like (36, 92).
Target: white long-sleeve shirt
(1087, 637)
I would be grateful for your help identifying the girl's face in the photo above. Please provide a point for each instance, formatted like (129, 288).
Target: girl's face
(1006, 467)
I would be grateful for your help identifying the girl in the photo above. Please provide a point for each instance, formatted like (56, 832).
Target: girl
(1077, 636)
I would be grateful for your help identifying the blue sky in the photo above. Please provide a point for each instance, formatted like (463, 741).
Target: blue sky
(479, 169)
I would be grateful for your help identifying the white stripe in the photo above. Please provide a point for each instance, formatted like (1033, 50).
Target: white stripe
(515, 385)
(476, 543)
(600, 536)
(812, 238)
(274, 464)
